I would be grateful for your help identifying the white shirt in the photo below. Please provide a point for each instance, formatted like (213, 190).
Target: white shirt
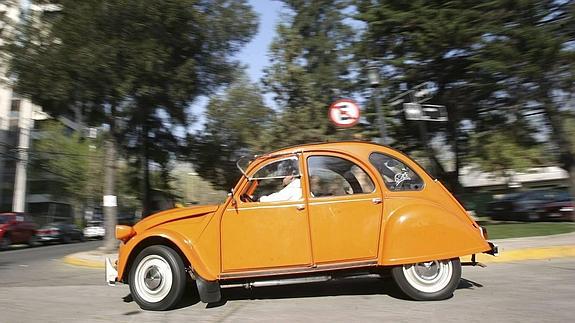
(292, 192)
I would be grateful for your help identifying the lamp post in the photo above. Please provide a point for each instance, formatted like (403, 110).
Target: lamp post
(374, 81)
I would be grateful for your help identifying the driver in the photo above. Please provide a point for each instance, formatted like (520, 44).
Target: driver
(291, 191)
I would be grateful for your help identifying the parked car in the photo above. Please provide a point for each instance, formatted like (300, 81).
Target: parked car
(60, 232)
(16, 228)
(562, 209)
(306, 213)
(94, 230)
(523, 206)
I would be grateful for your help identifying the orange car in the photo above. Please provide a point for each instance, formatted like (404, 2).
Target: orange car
(306, 213)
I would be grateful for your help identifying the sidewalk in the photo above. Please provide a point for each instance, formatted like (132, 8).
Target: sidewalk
(516, 249)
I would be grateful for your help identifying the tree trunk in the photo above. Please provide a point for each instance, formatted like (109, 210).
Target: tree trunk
(110, 209)
(145, 165)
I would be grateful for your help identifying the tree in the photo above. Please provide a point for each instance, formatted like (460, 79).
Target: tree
(119, 59)
(75, 162)
(311, 67)
(427, 41)
(237, 124)
(492, 62)
(531, 55)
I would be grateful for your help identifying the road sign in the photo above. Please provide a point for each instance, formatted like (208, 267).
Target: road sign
(344, 113)
(425, 112)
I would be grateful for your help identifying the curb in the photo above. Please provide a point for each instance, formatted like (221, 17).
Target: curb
(72, 260)
(526, 254)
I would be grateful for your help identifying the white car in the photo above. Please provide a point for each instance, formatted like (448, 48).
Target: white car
(94, 232)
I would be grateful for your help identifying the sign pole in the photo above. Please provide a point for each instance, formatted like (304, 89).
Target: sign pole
(380, 115)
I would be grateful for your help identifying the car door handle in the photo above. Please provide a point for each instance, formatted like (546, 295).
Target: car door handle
(376, 200)
(300, 207)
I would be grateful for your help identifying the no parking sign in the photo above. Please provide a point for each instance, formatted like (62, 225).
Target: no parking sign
(344, 113)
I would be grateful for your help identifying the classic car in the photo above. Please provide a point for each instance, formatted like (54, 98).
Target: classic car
(361, 208)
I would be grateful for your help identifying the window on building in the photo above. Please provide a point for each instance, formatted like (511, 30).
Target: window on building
(15, 106)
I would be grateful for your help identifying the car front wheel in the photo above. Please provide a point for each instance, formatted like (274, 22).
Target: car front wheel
(157, 278)
(428, 281)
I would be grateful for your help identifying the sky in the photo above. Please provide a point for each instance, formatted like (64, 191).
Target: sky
(255, 53)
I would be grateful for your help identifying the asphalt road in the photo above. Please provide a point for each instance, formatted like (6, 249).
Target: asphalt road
(25, 266)
(44, 288)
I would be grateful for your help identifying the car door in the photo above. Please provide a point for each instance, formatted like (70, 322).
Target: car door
(345, 208)
(266, 235)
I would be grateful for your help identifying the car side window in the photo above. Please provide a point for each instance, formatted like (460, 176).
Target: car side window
(335, 176)
(396, 175)
(277, 181)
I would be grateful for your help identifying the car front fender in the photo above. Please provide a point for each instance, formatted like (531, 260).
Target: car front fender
(159, 235)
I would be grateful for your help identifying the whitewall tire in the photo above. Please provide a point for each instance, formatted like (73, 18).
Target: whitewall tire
(157, 278)
(427, 281)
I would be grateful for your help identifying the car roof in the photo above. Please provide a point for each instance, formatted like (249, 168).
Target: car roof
(336, 145)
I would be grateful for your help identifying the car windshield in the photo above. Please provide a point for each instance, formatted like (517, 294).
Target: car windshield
(3, 219)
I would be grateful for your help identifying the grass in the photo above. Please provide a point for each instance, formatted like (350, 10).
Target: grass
(504, 230)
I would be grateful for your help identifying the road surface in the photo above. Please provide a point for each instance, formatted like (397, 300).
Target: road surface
(36, 285)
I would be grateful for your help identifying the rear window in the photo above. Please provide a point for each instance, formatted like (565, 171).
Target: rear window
(396, 175)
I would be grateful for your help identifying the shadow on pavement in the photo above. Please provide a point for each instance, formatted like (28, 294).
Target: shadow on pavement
(468, 284)
(345, 287)
(355, 286)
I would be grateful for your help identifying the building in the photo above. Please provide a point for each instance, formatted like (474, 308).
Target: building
(21, 188)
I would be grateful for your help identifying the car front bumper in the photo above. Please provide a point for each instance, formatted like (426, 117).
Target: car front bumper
(111, 273)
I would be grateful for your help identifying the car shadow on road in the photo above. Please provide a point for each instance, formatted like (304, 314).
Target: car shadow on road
(345, 287)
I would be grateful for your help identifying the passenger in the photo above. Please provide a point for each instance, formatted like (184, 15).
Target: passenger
(315, 186)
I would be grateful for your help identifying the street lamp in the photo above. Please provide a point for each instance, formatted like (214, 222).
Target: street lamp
(374, 81)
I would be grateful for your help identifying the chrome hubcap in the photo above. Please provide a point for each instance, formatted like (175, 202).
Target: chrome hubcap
(427, 270)
(153, 278)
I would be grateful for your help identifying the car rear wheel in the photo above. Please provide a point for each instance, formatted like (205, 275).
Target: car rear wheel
(157, 278)
(428, 281)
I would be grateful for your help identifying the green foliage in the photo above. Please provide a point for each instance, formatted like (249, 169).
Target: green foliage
(493, 63)
(157, 54)
(311, 67)
(135, 65)
(501, 151)
(71, 159)
(236, 124)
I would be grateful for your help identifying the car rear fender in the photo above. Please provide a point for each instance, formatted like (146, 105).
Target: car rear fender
(163, 236)
(418, 230)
